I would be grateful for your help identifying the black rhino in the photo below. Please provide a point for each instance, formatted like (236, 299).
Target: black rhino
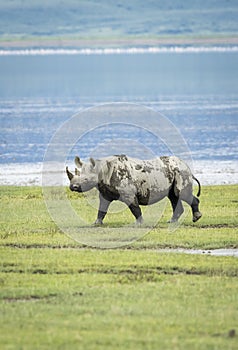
(137, 182)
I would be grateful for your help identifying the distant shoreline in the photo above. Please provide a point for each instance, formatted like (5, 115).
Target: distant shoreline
(46, 42)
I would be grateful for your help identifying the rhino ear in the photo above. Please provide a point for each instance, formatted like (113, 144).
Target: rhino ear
(78, 162)
(92, 161)
(77, 172)
(70, 175)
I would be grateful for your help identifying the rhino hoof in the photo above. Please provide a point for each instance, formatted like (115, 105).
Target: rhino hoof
(172, 220)
(140, 220)
(196, 216)
(98, 222)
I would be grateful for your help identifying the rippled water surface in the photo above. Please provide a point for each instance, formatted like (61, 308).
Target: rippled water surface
(196, 89)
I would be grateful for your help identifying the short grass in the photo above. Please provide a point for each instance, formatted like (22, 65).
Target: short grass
(58, 294)
(25, 221)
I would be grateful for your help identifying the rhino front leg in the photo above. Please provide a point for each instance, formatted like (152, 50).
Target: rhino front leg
(136, 211)
(102, 211)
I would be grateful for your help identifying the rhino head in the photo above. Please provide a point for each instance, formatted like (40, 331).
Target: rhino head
(85, 177)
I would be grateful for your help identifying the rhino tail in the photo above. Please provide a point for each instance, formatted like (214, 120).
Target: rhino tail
(199, 186)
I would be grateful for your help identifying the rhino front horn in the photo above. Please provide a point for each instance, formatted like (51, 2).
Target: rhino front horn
(70, 175)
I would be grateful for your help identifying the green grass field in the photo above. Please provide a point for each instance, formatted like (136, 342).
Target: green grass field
(58, 294)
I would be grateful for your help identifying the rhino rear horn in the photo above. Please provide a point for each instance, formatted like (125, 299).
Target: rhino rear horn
(92, 161)
(77, 172)
(70, 175)
(78, 162)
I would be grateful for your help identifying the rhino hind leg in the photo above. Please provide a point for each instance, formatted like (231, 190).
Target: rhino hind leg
(194, 203)
(195, 209)
(176, 205)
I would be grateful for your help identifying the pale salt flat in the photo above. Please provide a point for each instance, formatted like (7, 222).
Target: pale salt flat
(209, 172)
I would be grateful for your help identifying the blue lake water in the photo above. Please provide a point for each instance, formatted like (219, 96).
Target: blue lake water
(197, 91)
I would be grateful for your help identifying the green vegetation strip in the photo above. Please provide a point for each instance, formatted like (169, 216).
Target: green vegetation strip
(25, 221)
(57, 294)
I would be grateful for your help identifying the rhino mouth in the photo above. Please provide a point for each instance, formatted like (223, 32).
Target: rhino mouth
(75, 188)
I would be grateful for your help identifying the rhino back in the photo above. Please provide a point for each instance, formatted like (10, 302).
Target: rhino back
(129, 177)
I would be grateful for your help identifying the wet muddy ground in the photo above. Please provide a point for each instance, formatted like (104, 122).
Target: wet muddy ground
(214, 252)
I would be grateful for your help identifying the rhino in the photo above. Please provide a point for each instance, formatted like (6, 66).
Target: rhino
(137, 182)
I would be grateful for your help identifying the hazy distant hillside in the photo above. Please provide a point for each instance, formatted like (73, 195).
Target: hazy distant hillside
(116, 18)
